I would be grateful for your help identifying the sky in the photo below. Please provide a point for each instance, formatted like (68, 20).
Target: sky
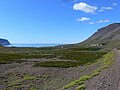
(55, 21)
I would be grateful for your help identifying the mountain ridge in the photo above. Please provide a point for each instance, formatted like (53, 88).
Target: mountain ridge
(108, 35)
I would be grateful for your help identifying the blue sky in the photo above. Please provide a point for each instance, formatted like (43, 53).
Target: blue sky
(55, 21)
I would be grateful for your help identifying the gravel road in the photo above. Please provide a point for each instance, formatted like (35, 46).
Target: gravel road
(109, 79)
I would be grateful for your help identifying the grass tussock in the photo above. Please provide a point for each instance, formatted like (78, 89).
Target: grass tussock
(80, 81)
(81, 87)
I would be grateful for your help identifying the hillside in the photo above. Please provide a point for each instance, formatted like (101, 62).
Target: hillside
(108, 36)
(4, 42)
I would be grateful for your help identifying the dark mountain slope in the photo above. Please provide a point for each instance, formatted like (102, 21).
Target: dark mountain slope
(4, 42)
(109, 35)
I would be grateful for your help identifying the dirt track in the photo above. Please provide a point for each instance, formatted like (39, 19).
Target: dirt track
(109, 79)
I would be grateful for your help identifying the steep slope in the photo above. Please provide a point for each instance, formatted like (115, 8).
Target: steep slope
(109, 35)
(4, 42)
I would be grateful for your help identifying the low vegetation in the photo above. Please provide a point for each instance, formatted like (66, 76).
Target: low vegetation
(81, 55)
(15, 57)
(60, 64)
(106, 60)
(84, 56)
(77, 59)
(58, 58)
(22, 82)
(84, 49)
(80, 81)
(81, 87)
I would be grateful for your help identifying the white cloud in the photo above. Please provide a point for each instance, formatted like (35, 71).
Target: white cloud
(101, 10)
(91, 23)
(83, 19)
(85, 7)
(106, 8)
(115, 4)
(99, 21)
(102, 21)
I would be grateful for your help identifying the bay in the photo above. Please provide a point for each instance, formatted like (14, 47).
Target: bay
(32, 45)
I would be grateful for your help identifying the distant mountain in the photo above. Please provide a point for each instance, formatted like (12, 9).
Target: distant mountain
(108, 36)
(4, 42)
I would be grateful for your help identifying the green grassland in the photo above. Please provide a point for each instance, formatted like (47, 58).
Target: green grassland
(77, 59)
(56, 57)
(72, 57)
(15, 57)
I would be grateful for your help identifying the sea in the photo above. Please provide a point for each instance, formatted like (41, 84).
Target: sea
(32, 45)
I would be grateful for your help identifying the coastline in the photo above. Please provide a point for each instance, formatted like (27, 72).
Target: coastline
(31, 45)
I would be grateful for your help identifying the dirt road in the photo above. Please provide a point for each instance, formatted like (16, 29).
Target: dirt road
(109, 79)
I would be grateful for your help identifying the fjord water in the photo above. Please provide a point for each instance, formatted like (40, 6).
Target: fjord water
(32, 45)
